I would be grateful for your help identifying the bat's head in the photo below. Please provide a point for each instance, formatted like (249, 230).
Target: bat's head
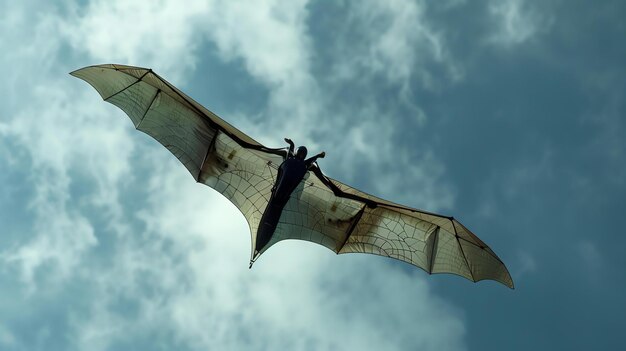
(301, 152)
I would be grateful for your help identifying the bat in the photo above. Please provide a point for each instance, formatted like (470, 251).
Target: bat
(317, 208)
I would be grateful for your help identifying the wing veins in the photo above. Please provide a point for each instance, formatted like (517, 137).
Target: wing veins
(357, 218)
(482, 248)
(217, 126)
(389, 237)
(431, 259)
(211, 146)
(132, 84)
(148, 109)
(370, 203)
(456, 235)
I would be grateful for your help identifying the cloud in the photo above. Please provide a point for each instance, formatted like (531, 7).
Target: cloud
(47, 125)
(403, 43)
(396, 41)
(397, 171)
(158, 34)
(24, 62)
(308, 107)
(516, 22)
(273, 45)
(298, 296)
(157, 254)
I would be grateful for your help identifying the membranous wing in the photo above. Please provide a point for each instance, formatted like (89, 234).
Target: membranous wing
(213, 151)
(320, 210)
(345, 220)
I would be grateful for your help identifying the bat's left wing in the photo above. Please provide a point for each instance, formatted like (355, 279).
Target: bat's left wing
(214, 152)
(345, 220)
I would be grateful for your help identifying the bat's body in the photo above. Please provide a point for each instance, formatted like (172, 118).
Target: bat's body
(284, 198)
(290, 174)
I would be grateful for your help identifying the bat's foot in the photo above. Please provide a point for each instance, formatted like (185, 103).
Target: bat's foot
(256, 255)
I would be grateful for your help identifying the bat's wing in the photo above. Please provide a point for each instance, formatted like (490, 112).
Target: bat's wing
(213, 151)
(343, 219)
(320, 210)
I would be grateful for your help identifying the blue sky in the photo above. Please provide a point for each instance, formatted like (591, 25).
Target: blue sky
(507, 114)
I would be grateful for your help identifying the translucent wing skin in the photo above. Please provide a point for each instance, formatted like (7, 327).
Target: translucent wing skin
(347, 220)
(320, 210)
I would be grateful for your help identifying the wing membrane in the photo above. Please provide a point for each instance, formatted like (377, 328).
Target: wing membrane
(347, 220)
(208, 147)
(320, 210)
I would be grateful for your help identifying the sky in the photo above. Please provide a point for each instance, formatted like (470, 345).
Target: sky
(509, 115)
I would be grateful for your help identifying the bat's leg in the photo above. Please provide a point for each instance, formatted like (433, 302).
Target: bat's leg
(255, 256)
(269, 221)
(267, 227)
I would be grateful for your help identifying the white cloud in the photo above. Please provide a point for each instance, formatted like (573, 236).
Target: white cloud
(298, 296)
(407, 43)
(271, 40)
(280, 55)
(24, 63)
(516, 22)
(411, 178)
(186, 272)
(396, 40)
(163, 35)
(62, 238)
(47, 124)
(268, 37)
(301, 106)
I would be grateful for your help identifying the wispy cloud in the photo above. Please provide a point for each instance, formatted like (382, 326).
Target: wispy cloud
(159, 34)
(401, 43)
(308, 107)
(273, 44)
(516, 22)
(204, 293)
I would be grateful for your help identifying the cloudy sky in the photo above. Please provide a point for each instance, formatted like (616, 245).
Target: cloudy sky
(508, 114)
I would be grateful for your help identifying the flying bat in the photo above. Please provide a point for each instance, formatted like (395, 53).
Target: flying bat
(282, 194)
